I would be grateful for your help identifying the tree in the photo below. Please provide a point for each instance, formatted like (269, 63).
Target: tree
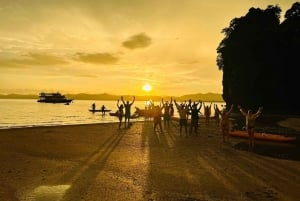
(288, 62)
(252, 60)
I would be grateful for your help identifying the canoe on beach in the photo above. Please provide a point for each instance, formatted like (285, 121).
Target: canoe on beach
(116, 114)
(264, 136)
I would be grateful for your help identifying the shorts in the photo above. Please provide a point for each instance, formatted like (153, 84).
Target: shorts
(166, 117)
(194, 122)
(183, 122)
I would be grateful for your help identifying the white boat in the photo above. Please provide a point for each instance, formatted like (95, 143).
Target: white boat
(53, 98)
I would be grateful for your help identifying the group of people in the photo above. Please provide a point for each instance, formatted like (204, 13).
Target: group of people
(221, 116)
(127, 106)
(165, 111)
(120, 112)
(250, 118)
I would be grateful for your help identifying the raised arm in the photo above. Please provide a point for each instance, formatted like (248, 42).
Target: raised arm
(122, 99)
(230, 110)
(242, 111)
(118, 103)
(132, 100)
(200, 105)
(176, 104)
(258, 112)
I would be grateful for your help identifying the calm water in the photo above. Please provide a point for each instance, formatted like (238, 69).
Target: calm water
(29, 113)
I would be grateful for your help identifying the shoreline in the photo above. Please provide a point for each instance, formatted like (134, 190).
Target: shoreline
(61, 125)
(291, 122)
(101, 162)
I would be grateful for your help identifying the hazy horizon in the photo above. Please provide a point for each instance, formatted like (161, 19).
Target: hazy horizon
(116, 46)
(105, 96)
(104, 93)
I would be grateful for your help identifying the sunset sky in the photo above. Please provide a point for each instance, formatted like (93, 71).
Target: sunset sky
(115, 46)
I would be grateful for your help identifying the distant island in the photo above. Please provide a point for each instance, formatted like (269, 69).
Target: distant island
(207, 97)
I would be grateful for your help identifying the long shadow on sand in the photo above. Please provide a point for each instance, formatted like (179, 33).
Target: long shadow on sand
(173, 160)
(84, 175)
(204, 168)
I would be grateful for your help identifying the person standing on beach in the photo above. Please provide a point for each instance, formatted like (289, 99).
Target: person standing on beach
(157, 114)
(127, 106)
(183, 111)
(171, 110)
(207, 112)
(225, 122)
(166, 115)
(195, 110)
(217, 115)
(250, 123)
(120, 113)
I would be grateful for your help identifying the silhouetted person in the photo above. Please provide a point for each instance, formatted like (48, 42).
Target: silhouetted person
(120, 113)
(93, 107)
(166, 115)
(250, 123)
(207, 112)
(217, 114)
(195, 110)
(103, 110)
(225, 122)
(183, 111)
(157, 114)
(127, 106)
(171, 110)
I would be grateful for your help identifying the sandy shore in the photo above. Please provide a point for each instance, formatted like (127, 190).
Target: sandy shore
(102, 163)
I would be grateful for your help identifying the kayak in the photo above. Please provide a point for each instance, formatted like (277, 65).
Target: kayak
(116, 114)
(264, 136)
(91, 110)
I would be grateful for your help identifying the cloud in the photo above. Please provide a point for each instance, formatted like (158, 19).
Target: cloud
(97, 58)
(32, 59)
(45, 59)
(137, 41)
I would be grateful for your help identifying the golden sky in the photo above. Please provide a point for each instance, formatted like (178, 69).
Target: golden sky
(115, 46)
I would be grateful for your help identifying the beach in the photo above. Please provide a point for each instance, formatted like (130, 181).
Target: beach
(99, 162)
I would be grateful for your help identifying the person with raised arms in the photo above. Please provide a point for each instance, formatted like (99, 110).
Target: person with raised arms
(183, 111)
(127, 106)
(250, 123)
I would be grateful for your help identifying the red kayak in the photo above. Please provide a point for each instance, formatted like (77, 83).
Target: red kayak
(264, 136)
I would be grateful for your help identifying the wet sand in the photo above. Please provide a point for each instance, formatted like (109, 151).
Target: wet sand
(99, 162)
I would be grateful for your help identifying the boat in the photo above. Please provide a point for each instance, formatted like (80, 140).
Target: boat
(264, 136)
(143, 112)
(53, 98)
(99, 110)
(116, 114)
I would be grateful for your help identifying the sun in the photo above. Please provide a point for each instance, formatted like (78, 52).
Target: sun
(147, 87)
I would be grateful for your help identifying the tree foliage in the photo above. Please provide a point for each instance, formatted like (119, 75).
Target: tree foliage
(259, 57)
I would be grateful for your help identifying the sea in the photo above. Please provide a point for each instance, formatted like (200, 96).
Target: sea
(17, 113)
